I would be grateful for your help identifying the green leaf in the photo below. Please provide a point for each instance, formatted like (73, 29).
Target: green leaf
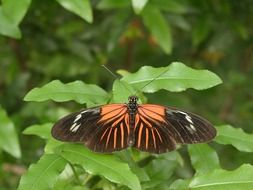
(138, 5)
(8, 135)
(7, 27)
(126, 156)
(59, 92)
(51, 145)
(180, 184)
(177, 77)
(80, 7)
(241, 178)
(15, 10)
(242, 141)
(159, 170)
(105, 165)
(121, 91)
(43, 174)
(158, 26)
(43, 131)
(204, 159)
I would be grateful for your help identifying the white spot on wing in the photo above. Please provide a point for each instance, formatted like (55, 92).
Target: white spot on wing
(180, 112)
(85, 111)
(74, 127)
(192, 127)
(93, 110)
(187, 117)
(78, 117)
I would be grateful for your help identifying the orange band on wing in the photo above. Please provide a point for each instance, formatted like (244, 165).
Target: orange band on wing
(109, 112)
(147, 138)
(108, 137)
(137, 119)
(115, 138)
(118, 121)
(122, 134)
(152, 111)
(157, 132)
(153, 136)
(104, 134)
(139, 135)
(127, 123)
(111, 107)
(148, 124)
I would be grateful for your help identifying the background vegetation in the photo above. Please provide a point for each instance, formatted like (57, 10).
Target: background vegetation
(45, 41)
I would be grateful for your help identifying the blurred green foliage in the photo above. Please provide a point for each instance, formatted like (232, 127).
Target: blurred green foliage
(44, 41)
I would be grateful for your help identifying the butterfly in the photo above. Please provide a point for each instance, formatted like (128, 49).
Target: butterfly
(147, 127)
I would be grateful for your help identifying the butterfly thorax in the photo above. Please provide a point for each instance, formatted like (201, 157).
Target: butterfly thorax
(132, 104)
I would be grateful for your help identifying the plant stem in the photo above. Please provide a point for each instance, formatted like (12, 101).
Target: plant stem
(75, 174)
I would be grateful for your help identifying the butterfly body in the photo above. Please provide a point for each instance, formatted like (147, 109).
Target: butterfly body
(132, 108)
(147, 127)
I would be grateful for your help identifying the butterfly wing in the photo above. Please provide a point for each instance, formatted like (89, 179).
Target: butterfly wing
(159, 129)
(102, 129)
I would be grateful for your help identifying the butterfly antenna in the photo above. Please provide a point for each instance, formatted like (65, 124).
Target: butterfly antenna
(110, 72)
(162, 73)
(116, 77)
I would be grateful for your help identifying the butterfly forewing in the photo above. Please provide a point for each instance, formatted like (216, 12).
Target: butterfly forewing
(159, 129)
(102, 129)
(190, 128)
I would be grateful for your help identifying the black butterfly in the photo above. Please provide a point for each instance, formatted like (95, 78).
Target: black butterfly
(147, 127)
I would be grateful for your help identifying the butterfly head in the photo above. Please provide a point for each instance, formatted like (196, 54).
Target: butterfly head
(133, 99)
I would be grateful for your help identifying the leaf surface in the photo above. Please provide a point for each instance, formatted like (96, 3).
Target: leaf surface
(15, 10)
(175, 78)
(241, 178)
(227, 134)
(121, 91)
(138, 5)
(204, 159)
(42, 131)
(8, 135)
(60, 92)
(105, 165)
(159, 28)
(81, 8)
(7, 27)
(43, 174)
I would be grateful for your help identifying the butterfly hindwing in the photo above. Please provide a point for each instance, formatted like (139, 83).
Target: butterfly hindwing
(102, 129)
(159, 129)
